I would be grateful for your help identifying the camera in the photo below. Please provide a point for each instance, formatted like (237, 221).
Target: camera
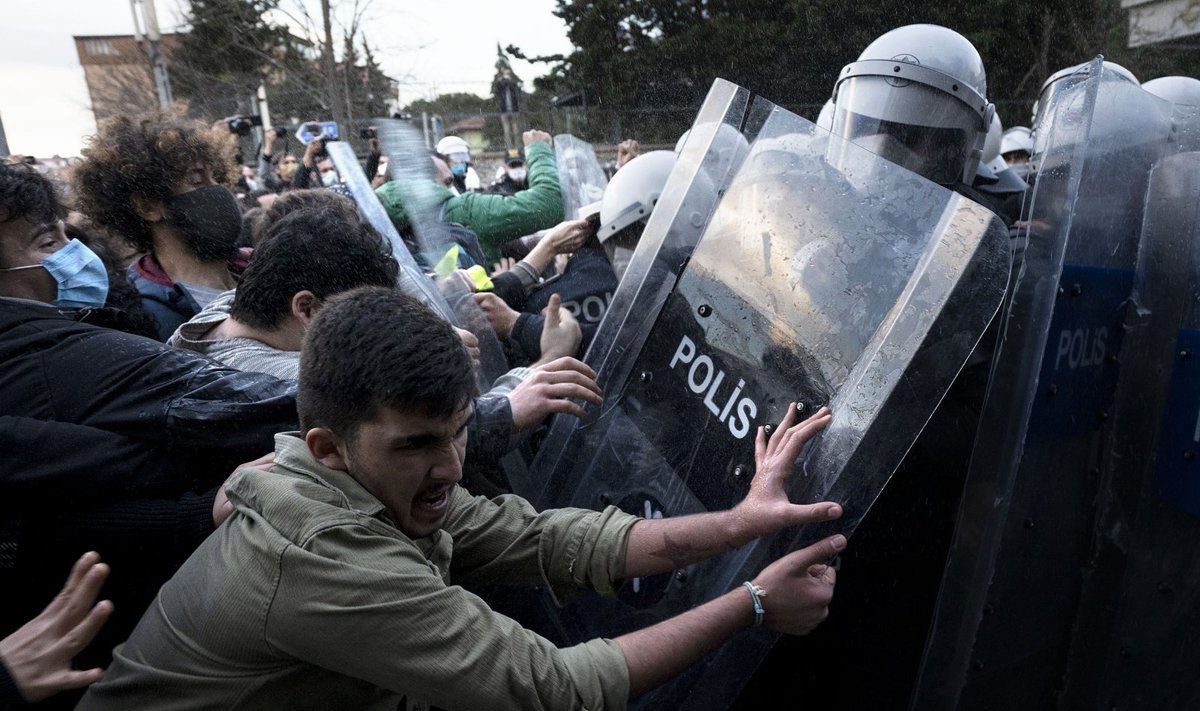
(368, 132)
(242, 125)
(320, 132)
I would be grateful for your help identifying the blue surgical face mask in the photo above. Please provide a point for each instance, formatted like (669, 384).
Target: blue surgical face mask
(458, 169)
(81, 277)
(329, 178)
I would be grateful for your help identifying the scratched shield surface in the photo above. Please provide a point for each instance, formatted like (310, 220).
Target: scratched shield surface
(1134, 644)
(1022, 545)
(821, 274)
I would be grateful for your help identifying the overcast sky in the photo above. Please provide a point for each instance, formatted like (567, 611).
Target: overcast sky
(431, 47)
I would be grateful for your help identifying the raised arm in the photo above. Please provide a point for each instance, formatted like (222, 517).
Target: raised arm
(660, 545)
(794, 593)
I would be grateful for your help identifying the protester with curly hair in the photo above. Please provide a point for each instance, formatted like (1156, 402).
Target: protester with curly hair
(154, 180)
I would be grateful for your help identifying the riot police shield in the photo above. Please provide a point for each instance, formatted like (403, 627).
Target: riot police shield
(825, 275)
(1134, 643)
(412, 279)
(441, 252)
(1011, 584)
(670, 235)
(443, 292)
(580, 176)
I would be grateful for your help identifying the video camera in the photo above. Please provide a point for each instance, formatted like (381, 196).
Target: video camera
(242, 125)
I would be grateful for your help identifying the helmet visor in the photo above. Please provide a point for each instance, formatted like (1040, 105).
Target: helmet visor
(920, 127)
(938, 154)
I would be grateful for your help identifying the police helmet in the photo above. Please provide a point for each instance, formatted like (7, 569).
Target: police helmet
(917, 96)
(1015, 140)
(825, 118)
(454, 146)
(1177, 90)
(633, 192)
(1064, 78)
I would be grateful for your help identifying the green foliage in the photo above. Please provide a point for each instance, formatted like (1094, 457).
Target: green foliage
(231, 47)
(641, 54)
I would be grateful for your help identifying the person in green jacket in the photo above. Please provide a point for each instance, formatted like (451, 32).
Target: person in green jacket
(496, 219)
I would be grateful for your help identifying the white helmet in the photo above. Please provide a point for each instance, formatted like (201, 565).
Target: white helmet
(991, 144)
(633, 192)
(1017, 138)
(451, 145)
(825, 118)
(726, 149)
(1064, 78)
(1177, 90)
(917, 96)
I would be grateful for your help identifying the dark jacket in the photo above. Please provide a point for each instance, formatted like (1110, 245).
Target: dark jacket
(169, 303)
(114, 443)
(586, 288)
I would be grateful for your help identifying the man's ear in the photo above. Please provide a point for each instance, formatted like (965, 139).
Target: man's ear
(304, 306)
(327, 448)
(148, 209)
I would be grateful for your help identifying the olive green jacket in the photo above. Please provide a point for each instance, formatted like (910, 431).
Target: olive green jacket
(309, 597)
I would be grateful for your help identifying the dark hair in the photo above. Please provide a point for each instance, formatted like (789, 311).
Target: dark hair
(371, 348)
(311, 249)
(309, 198)
(130, 314)
(26, 193)
(146, 156)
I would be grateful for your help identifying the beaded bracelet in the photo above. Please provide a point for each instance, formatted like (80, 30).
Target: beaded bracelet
(756, 595)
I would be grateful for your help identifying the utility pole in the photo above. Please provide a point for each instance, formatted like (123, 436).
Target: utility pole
(330, 65)
(150, 38)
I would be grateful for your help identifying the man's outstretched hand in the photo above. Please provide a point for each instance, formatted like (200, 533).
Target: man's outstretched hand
(38, 655)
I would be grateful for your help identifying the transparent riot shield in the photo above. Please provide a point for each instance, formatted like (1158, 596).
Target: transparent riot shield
(435, 280)
(671, 233)
(412, 280)
(1134, 644)
(580, 176)
(440, 252)
(1012, 581)
(824, 275)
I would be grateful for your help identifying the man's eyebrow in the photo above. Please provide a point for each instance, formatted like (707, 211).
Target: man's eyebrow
(422, 438)
(43, 229)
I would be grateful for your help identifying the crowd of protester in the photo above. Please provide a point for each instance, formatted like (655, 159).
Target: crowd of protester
(213, 380)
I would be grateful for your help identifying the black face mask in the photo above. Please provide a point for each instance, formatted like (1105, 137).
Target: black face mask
(209, 220)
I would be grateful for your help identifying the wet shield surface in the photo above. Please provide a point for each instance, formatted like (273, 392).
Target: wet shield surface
(811, 272)
(1134, 644)
(430, 254)
(580, 176)
(1003, 624)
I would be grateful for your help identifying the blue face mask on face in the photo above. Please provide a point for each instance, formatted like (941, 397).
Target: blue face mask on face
(458, 169)
(81, 277)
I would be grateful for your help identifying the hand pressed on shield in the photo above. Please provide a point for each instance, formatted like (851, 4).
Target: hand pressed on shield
(552, 388)
(561, 335)
(499, 314)
(799, 587)
(767, 507)
(38, 655)
(471, 343)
